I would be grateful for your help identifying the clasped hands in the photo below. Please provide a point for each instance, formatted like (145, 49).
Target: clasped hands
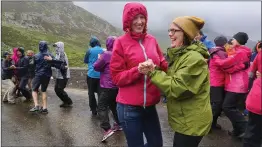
(146, 67)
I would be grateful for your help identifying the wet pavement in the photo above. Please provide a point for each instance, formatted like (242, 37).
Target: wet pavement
(75, 126)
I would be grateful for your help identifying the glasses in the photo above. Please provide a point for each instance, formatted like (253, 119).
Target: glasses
(173, 31)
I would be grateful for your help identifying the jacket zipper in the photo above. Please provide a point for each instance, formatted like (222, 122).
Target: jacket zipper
(145, 76)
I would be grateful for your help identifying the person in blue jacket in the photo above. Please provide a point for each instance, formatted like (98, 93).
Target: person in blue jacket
(93, 77)
(203, 38)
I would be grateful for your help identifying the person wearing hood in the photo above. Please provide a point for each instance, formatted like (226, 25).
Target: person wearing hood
(186, 84)
(43, 73)
(255, 51)
(62, 74)
(109, 91)
(93, 77)
(21, 69)
(203, 38)
(217, 77)
(236, 84)
(137, 96)
(253, 133)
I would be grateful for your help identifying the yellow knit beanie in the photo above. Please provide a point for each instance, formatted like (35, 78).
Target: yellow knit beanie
(191, 25)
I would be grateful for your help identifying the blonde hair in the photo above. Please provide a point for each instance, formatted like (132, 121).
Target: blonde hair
(29, 52)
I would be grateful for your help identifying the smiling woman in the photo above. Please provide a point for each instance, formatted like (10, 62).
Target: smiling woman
(137, 96)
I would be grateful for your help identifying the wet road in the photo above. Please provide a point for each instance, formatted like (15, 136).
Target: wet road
(75, 126)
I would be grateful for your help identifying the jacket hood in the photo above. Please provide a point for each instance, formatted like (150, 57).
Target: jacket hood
(130, 11)
(216, 49)
(59, 47)
(43, 46)
(195, 46)
(94, 42)
(203, 38)
(22, 50)
(245, 49)
(110, 42)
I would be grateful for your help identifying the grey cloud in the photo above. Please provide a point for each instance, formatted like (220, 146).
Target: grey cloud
(223, 17)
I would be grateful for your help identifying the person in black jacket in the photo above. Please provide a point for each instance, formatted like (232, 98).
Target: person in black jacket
(22, 73)
(7, 74)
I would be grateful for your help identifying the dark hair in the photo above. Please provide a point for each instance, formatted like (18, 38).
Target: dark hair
(186, 40)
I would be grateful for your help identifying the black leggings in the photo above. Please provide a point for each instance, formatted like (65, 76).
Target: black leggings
(60, 92)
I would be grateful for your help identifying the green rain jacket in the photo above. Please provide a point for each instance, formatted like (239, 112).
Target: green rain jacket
(186, 86)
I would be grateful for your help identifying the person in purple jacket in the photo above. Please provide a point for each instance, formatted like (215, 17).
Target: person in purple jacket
(109, 91)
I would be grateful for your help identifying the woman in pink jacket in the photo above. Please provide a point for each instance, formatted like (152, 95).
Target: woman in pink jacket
(217, 77)
(253, 134)
(137, 96)
(236, 84)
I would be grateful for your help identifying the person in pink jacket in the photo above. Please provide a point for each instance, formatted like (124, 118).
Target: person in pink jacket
(217, 77)
(137, 96)
(253, 134)
(236, 84)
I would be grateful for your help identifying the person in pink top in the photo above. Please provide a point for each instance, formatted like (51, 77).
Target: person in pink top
(253, 133)
(137, 96)
(217, 77)
(236, 84)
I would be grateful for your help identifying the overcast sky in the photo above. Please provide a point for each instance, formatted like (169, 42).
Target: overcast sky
(222, 17)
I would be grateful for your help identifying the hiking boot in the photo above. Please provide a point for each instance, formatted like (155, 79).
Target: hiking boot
(107, 134)
(5, 101)
(35, 109)
(236, 134)
(45, 111)
(94, 113)
(117, 127)
(64, 105)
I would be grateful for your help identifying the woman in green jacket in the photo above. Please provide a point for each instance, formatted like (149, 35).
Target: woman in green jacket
(186, 83)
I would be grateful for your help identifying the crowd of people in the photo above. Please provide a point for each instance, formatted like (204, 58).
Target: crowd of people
(198, 78)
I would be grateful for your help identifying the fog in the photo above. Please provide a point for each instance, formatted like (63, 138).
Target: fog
(222, 17)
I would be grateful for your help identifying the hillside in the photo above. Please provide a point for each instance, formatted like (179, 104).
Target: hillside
(26, 23)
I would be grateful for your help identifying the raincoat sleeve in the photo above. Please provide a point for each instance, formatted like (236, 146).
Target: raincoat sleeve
(186, 81)
(163, 62)
(121, 75)
(86, 57)
(24, 65)
(230, 61)
(100, 64)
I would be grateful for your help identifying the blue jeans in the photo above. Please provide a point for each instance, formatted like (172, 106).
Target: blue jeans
(135, 121)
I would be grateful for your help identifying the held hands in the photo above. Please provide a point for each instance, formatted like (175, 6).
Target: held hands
(146, 67)
(12, 67)
(48, 58)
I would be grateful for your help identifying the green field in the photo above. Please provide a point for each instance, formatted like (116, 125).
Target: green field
(13, 36)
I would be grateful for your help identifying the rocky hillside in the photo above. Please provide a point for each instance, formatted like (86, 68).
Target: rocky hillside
(26, 23)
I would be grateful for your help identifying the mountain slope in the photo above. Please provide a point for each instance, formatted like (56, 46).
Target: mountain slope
(26, 23)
